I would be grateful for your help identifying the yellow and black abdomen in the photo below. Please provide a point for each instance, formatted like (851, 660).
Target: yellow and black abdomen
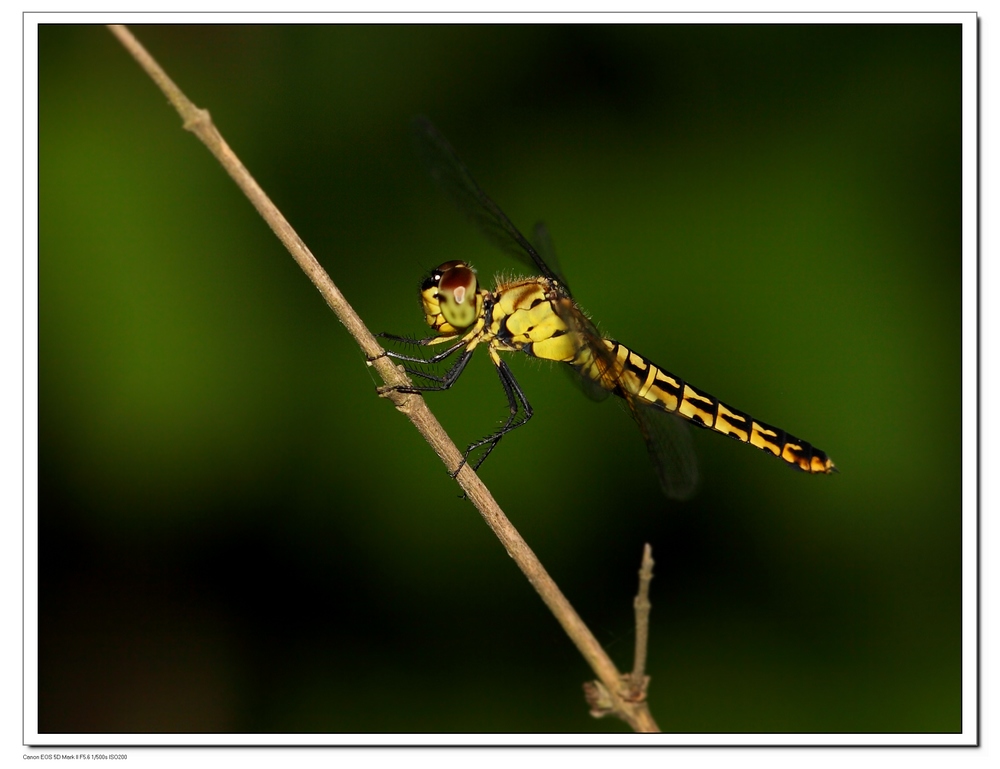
(535, 317)
(656, 388)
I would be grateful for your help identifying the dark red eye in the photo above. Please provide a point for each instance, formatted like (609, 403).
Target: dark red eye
(458, 279)
(456, 293)
(434, 279)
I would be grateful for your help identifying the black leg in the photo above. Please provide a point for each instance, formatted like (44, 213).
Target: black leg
(520, 413)
(409, 339)
(423, 342)
(443, 382)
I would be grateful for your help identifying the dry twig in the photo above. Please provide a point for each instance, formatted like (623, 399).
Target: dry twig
(200, 124)
(639, 679)
(596, 693)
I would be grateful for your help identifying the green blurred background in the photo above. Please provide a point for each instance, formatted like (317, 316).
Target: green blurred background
(238, 535)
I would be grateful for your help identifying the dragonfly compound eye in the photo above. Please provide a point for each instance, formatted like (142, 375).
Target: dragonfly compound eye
(457, 294)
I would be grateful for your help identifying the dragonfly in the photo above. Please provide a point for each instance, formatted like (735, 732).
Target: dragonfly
(539, 317)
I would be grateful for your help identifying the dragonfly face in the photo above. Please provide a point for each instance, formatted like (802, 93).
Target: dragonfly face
(451, 303)
(538, 316)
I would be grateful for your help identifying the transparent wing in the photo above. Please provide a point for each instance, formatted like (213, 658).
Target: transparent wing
(667, 436)
(671, 450)
(546, 250)
(457, 183)
(543, 243)
(574, 318)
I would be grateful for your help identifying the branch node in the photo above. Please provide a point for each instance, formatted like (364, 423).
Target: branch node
(631, 707)
(404, 402)
(598, 698)
(635, 690)
(197, 119)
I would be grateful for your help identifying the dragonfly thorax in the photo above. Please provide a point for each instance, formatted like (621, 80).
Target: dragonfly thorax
(450, 298)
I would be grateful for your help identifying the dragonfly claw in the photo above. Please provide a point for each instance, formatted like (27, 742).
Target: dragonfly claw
(457, 470)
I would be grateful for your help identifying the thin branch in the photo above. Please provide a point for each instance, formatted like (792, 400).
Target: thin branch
(200, 123)
(642, 606)
(596, 693)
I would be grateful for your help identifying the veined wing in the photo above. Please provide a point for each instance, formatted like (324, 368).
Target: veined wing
(667, 436)
(575, 319)
(455, 180)
(671, 450)
(547, 251)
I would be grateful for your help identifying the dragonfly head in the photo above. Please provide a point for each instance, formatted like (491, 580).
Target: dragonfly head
(450, 297)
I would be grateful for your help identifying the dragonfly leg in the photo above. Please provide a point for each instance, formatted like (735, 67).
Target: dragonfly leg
(443, 382)
(520, 413)
(427, 340)
(424, 343)
(394, 338)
